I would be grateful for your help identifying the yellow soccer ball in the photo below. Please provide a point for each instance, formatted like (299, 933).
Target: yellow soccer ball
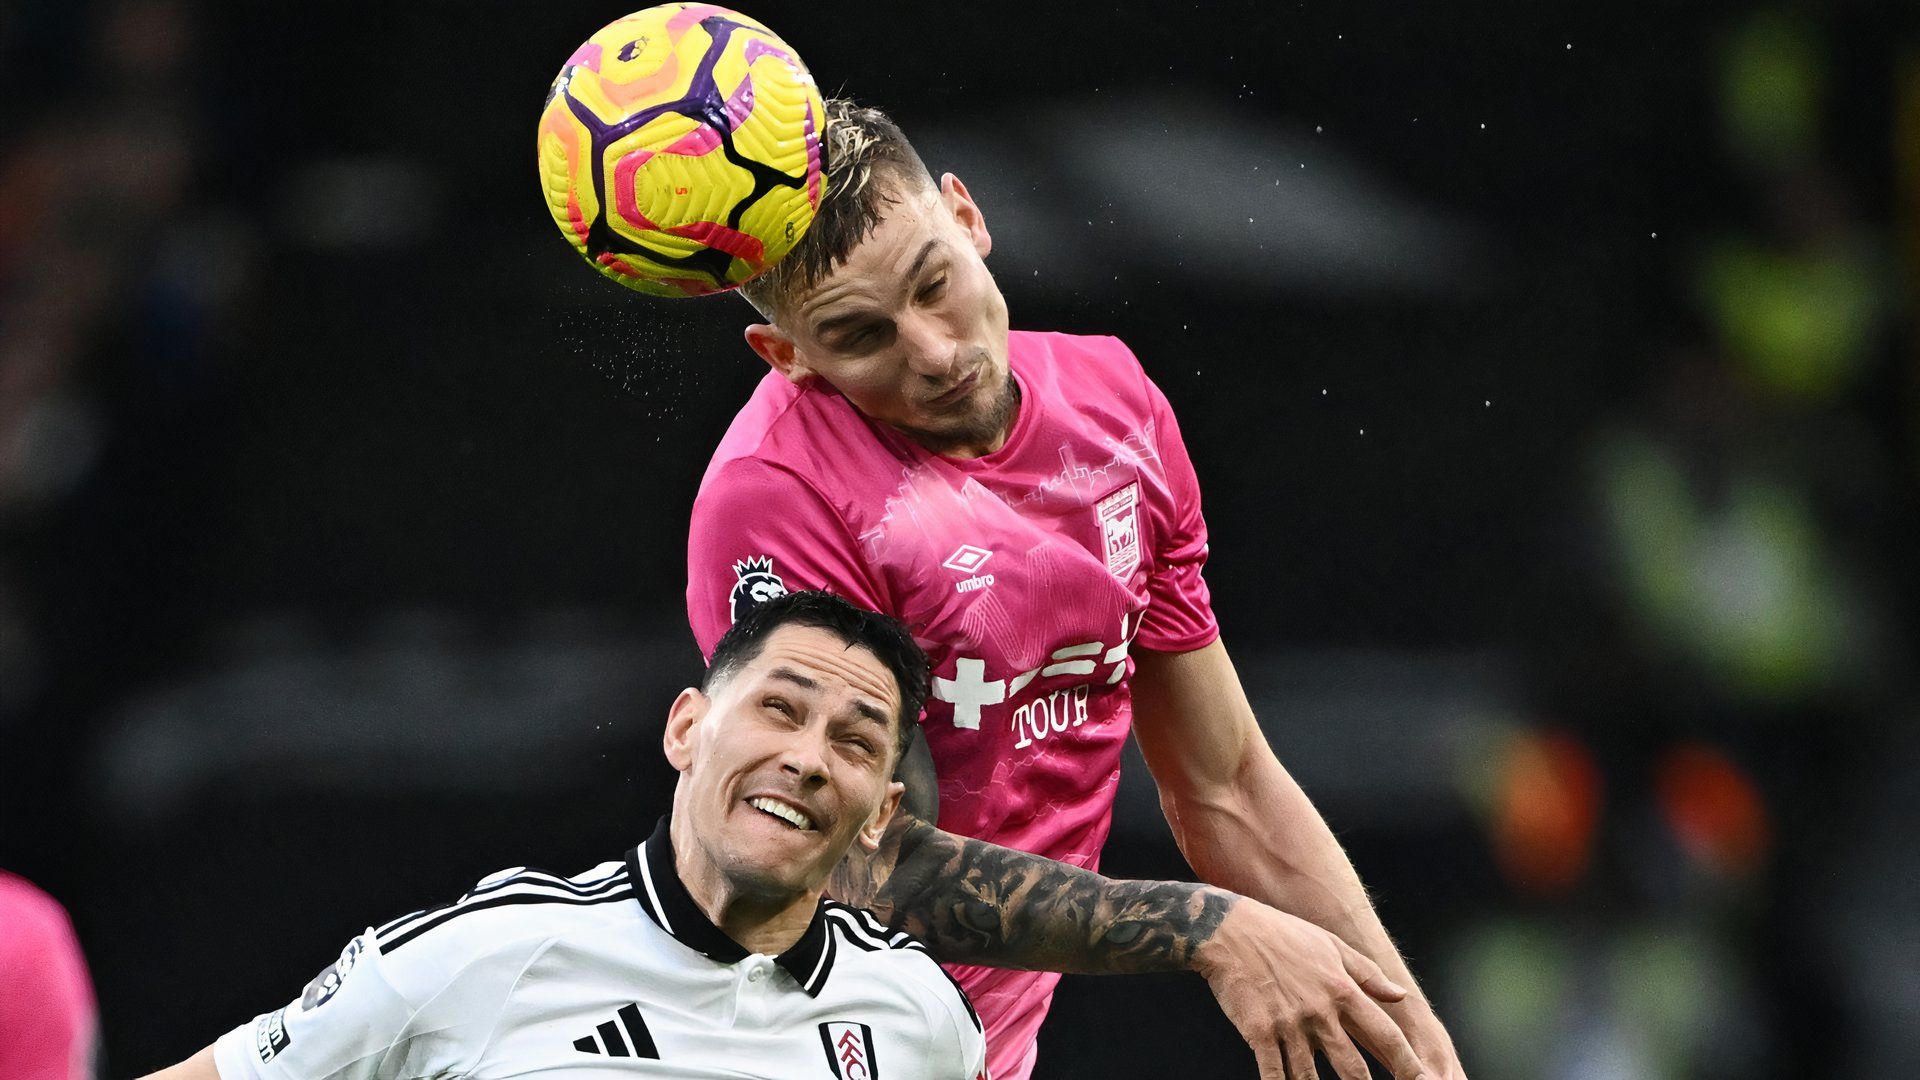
(680, 149)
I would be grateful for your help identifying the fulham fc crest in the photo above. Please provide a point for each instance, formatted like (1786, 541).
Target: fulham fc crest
(849, 1050)
(757, 584)
(1119, 515)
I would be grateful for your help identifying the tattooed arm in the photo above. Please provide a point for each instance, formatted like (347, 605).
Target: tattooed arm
(978, 903)
(1289, 986)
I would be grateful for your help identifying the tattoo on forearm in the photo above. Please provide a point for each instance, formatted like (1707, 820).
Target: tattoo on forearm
(979, 903)
(974, 902)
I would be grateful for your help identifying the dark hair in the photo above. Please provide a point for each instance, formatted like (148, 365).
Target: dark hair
(881, 635)
(869, 165)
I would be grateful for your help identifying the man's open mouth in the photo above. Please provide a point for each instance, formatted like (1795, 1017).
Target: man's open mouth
(776, 808)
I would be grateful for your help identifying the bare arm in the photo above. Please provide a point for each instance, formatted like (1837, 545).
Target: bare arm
(197, 1067)
(1280, 979)
(979, 903)
(1244, 824)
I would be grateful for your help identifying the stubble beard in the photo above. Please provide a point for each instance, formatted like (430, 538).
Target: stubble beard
(981, 427)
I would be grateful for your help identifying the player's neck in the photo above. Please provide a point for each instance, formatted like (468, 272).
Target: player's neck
(758, 922)
(761, 926)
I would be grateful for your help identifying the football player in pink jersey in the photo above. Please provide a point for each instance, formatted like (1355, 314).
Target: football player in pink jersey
(1025, 504)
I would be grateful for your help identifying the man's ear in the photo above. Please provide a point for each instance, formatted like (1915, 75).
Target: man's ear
(960, 204)
(687, 711)
(876, 826)
(777, 349)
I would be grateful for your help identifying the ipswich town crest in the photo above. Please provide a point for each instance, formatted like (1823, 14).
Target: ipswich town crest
(1119, 515)
(757, 585)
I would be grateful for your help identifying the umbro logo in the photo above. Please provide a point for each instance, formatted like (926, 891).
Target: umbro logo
(607, 1039)
(968, 560)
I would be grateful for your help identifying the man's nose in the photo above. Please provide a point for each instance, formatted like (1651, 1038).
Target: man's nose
(930, 351)
(804, 755)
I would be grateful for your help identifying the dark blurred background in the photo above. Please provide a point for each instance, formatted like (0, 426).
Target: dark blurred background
(1549, 374)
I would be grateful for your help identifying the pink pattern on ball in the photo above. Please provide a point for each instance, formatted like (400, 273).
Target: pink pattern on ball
(759, 47)
(740, 105)
(691, 16)
(720, 238)
(813, 161)
(700, 140)
(623, 200)
(587, 55)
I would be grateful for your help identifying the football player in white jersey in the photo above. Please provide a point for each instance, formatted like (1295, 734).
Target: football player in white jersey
(708, 950)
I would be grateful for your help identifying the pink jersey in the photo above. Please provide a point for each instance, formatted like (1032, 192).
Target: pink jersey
(1027, 575)
(47, 1016)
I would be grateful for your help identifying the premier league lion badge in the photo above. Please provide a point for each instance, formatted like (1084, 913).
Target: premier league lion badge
(757, 585)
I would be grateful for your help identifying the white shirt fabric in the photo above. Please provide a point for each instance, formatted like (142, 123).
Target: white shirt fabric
(614, 973)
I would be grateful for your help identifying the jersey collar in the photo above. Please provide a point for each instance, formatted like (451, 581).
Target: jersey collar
(668, 903)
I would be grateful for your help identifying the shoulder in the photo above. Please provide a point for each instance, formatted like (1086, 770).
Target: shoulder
(1079, 365)
(34, 920)
(900, 960)
(420, 995)
(512, 911)
(808, 430)
(756, 480)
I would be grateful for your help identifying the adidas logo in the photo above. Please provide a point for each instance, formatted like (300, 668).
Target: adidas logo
(637, 1043)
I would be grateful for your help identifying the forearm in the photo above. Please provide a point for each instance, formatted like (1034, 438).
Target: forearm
(1261, 836)
(198, 1067)
(978, 903)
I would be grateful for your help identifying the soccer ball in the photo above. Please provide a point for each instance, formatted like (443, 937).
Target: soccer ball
(680, 149)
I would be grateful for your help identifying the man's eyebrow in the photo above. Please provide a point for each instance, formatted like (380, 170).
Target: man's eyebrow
(860, 705)
(921, 259)
(870, 711)
(835, 322)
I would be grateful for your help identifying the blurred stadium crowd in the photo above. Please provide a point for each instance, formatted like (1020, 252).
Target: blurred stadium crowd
(1555, 404)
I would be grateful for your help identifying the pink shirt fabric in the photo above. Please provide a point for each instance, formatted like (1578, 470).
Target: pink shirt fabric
(1028, 575)
(47, 1014)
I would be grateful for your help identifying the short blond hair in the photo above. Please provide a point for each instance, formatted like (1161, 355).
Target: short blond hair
(869, 165)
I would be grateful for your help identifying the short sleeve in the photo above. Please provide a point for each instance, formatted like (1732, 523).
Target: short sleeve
(957, 1044)
(760, 531)
(973, 1054)
(344, 1024)
(425, 1010)
(1179, 615)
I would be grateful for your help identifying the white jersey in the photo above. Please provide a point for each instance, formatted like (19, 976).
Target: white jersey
(614, 973)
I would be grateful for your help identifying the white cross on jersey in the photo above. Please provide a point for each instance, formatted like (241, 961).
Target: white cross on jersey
(969, 689)
(614, 973)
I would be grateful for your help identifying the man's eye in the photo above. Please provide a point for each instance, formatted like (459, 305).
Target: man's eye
(780, 706)
(867, 337)
(933, 288)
